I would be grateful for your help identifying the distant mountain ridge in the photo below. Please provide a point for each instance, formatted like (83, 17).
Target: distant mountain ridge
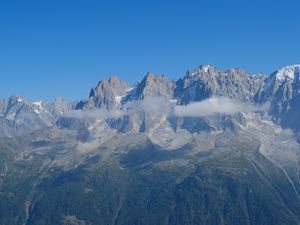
(280, 90)
(213, 148)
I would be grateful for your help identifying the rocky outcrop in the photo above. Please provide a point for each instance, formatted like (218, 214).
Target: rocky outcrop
(150, 86)
(207, 81)
(106, 95)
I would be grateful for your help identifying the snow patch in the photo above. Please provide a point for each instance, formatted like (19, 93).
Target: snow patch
(206, 68)
(288, 72)
(173, 101)
(120, 97)
(130, 89)
(38, 107)
(39, 103)
(37, 111)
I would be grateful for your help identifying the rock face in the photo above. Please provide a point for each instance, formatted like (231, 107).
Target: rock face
(278, 93)
(207, 81)
(281, 90)
(19, 116)
(60, 106)
(106, 95)
(151, 86)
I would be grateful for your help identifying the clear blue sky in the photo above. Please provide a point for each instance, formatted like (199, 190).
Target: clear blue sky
(60, 47)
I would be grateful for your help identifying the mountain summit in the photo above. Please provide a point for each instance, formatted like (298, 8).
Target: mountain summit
(213, 147)
(279, 91)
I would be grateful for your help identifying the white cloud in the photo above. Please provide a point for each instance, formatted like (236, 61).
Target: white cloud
(159, 106)
(212, 106)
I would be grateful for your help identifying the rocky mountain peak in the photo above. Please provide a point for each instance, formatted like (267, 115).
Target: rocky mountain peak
(245, 155)
(13, 103)
(152, 85)
(206, 81)
(282, 90)
(105, 95)
(280, 80)
(60, 105)
(19, 116)
(112, 84)
(17, 99)
(288, 72)
(149, 76)
(206, 68)
(202, 70)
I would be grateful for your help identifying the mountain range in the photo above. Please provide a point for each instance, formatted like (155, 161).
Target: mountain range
(213, 147)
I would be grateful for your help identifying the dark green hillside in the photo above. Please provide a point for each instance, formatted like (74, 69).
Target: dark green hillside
(231, 184)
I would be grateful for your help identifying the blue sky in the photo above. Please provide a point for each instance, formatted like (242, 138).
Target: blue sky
(60, 47)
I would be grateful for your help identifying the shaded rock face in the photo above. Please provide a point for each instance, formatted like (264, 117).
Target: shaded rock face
(19, 116)
(281, 90)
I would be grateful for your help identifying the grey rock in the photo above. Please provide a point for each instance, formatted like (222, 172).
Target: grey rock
(18, 116)
(152, 86)
(282, 91)
(105, 94)
(207, 81)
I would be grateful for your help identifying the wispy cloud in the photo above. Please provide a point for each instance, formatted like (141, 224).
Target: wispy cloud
(154, 105)
(214, 105)
(159, 105)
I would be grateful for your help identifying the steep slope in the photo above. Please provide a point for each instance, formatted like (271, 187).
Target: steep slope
(19, 116)
(151, 86)
(106, 95)
(282, 90)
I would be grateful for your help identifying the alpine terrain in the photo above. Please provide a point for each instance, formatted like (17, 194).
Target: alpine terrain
(211, 148)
